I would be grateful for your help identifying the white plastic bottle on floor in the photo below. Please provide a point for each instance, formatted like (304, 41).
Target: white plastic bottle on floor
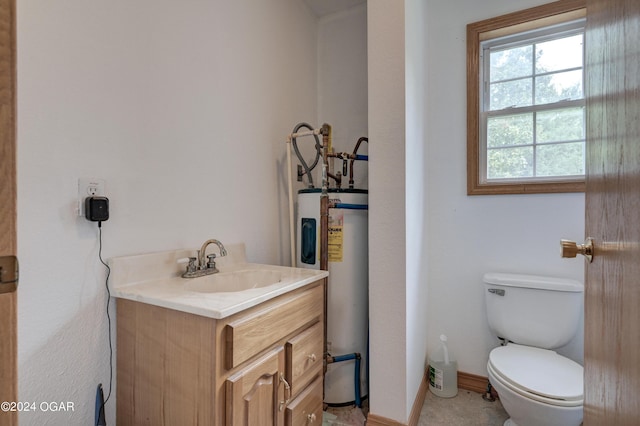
(443, 371)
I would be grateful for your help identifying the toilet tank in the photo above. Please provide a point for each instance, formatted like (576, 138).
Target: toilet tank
(533, 310)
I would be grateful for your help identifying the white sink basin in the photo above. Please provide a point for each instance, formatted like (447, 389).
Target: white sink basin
(224, 282)
(156, 279)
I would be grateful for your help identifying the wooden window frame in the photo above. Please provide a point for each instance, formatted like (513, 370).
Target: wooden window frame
(512, 23)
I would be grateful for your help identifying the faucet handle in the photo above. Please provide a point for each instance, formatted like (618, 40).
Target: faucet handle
(191, 267)
(211, 263)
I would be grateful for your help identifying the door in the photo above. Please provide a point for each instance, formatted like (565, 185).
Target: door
(254, 395)
(612, 292)
(8, 301)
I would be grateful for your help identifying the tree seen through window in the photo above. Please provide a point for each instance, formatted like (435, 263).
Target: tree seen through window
(534, 106)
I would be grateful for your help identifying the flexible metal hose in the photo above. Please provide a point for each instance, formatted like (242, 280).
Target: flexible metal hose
(307, 168)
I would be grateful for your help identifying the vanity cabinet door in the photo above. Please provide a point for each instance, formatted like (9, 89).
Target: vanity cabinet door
(255, 395)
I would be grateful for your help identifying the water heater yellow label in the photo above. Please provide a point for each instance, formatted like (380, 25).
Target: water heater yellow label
(335, 243)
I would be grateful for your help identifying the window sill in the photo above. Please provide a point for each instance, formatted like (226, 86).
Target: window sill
(474, 188)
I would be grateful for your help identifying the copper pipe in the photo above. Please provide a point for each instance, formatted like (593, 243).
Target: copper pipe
(337, 178)
(343, 156)
(324, 202)
(324, 227)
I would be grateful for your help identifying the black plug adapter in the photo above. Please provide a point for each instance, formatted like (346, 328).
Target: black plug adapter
(96, 209)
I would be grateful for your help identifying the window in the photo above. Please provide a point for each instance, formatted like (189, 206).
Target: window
(526, 106)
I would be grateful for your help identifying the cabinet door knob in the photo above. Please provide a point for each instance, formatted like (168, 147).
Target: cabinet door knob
(311, 418)
(312, 357)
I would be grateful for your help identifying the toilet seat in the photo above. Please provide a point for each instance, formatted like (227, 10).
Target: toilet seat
(538, 374)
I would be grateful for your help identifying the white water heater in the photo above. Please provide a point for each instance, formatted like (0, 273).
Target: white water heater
(348, 283)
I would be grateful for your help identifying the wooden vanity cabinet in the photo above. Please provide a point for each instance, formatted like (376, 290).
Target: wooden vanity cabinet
(259, 367)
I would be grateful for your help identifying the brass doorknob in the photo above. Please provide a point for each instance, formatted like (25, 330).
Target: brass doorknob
(572, 249)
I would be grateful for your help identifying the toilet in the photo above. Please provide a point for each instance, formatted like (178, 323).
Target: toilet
(533, 315)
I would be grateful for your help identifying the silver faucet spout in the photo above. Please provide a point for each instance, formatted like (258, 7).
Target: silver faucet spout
(201, 253)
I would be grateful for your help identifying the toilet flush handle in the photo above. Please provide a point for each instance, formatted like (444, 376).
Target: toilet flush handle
(572, 249)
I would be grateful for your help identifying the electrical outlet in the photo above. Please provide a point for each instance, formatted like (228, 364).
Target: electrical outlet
(88, 187)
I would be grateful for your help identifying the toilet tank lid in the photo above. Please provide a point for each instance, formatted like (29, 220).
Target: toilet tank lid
(533, 281)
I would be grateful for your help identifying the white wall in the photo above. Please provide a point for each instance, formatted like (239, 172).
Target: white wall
(183, 108)
(418, 204)
(342, 83)
(469, 236)
(387, 239)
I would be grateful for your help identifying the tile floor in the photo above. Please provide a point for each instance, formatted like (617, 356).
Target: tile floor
(466, 409)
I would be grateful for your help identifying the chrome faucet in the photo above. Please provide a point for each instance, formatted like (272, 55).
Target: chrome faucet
(201, 253)
(204, 268)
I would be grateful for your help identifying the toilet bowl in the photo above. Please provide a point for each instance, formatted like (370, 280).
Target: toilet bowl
(537, 387)
(533, 315)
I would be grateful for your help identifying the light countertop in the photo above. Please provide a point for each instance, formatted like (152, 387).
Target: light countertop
(155, 278)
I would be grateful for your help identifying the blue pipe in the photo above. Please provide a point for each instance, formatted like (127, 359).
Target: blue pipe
(341, 358)
(362, 157)
(356, 378)
(351, 206)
